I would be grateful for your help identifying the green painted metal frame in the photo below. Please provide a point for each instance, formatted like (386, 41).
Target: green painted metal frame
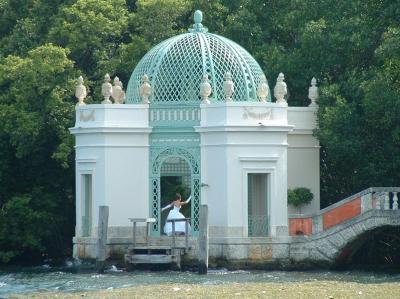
(191, 154)
(174, 136)
(175, 68)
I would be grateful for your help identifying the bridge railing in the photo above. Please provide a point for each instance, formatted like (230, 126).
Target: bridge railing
(381, 198)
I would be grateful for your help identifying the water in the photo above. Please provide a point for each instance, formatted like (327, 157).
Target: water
(46, 278)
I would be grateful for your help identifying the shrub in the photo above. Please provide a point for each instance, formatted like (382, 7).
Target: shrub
(299, 196)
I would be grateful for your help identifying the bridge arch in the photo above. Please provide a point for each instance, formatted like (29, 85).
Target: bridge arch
(377, 247)
(337, 245)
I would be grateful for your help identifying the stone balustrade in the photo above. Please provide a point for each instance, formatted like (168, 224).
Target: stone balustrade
(375, 198)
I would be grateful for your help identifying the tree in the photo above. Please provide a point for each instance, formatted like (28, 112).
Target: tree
(36, 181)
(298, 197)
(91, 30)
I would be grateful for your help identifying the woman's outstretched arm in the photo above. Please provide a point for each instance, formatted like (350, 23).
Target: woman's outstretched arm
(166, 207)
(186, 201)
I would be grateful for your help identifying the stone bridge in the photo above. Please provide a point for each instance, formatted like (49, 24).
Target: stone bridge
(328, 237)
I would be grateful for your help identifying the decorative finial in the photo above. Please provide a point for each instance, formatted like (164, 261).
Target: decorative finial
(80, 92)
(106, 90)
(280, 90)
(229, 87)
(313, 93)
(197, 26)
(118, 93)
(145, 89)
(205, 89)
(263, 89)
(198, 17)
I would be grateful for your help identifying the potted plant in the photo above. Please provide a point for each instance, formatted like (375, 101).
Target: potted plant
(298, 197)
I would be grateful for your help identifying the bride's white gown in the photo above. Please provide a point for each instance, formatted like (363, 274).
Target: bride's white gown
(179, 226)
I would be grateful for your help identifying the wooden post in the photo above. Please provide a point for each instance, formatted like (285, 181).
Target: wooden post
(203, 240)
(134, 234)
(147, 233)
(173, 234)
(186, 234)
(101, 239)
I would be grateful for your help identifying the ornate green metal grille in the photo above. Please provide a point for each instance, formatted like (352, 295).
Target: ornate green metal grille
(175, 68)
(258, 226)
(174, 115)
(180, 146)
(175, 166)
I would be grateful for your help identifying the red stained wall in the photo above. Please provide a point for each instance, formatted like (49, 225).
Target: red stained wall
(300, 226)
(342, 213)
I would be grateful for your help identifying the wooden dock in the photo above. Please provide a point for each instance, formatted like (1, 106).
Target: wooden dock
(156, 254)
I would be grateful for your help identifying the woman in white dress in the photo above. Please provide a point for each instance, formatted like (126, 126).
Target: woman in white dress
(175, 214)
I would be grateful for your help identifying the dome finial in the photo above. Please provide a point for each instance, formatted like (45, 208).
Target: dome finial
(197, 26)
(198, 17)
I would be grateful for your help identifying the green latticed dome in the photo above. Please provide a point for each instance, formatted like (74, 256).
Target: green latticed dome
(176, 66)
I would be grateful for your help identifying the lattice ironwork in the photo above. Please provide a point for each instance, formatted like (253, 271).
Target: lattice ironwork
(174, 115)
(175, 165)
(176, 65)
(188, 152)
(258, 225)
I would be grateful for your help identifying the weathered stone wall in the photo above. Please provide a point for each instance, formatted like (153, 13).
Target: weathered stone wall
(321, 244)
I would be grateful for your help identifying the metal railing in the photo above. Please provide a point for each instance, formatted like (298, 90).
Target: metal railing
(258, 225)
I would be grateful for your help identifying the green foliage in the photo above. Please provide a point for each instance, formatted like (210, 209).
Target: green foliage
(36, 184)
(156, 20)
(30, 226)
(299, 196)
(91, 29)
(169, 187)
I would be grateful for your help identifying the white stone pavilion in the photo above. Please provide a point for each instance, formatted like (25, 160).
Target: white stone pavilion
(198, 113)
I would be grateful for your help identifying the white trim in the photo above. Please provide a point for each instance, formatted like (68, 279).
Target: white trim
(245, 144)
(305, 147)
(85, 160)
(110, 129)
(112, 145)
(244, 128)
(270, 171)
(244, 104)
(83, 166)
(83, 203)
(259, 159)
(303, 109)
(300, 131)
(112, 106)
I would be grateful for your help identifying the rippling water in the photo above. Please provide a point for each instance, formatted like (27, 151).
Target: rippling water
(46, 278)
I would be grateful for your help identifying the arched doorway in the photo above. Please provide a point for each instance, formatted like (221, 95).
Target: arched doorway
(175, 177)
(174, 168)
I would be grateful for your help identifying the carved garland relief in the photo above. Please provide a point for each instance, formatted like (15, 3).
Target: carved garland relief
(86, 117)
(250, 113)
